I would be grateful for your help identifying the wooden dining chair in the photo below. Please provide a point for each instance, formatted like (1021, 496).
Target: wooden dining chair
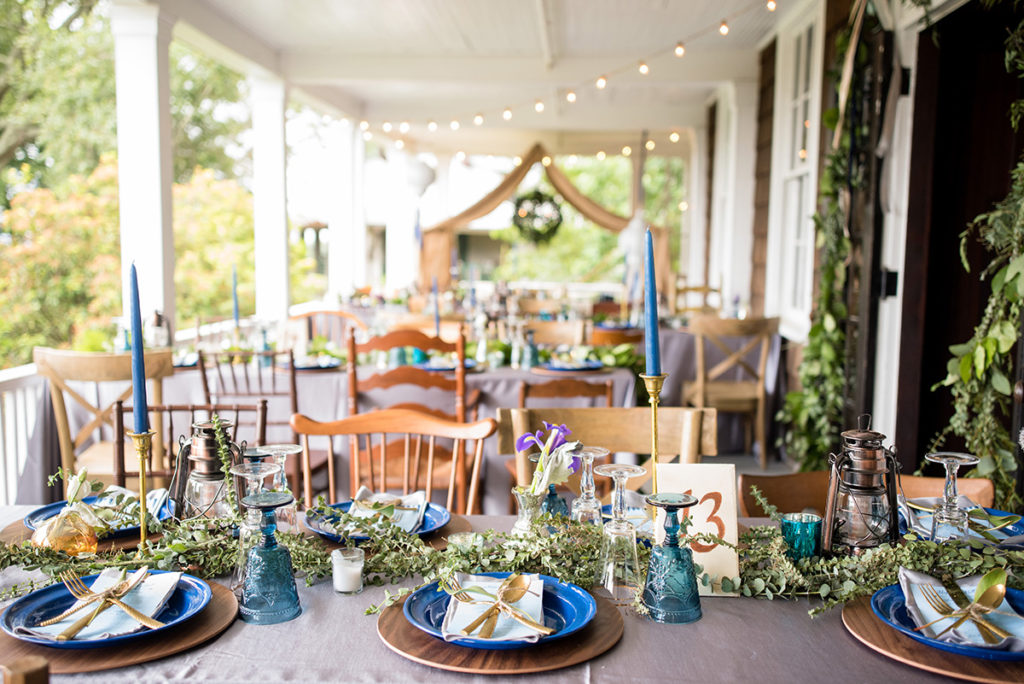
(685, 434)
(744, 394)
(694, 299)
(242, 376)
(980, 490)
(91, 446)
(416, 431)
(330, 324)
(615, 336)
(554, 333)
(175, 421)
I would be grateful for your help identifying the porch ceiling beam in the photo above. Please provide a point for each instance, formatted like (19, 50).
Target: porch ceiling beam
(544, 24)
(223, 39)
(511, 143)
(337, 68)
(625, 116)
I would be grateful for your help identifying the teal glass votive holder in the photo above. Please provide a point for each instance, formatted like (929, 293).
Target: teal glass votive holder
(802, 533)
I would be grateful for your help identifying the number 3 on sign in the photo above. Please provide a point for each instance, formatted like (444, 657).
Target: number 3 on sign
(716, 499)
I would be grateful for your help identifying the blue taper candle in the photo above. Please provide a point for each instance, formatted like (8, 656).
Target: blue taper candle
(141, 410)
(234, 293)
(437, 310)
(652, 346)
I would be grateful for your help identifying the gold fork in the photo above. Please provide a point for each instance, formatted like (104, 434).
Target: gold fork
(989, 632)
(82, 592)
(71, 580)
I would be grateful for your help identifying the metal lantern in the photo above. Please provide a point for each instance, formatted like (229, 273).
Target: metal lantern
(860, 510)
(204, 492)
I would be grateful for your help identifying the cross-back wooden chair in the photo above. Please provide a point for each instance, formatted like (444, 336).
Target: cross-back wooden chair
(713, 386)
(331, 324)
(233, 376)
(613, 336)
(174, 421)
(686, 433)
(554, 333)
(793, 492)
(415, 428)
(61, 367)
(682, 298)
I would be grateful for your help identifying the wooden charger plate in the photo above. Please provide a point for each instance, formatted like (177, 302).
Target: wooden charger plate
(16, 532)
(863, 624)
(209, 623)
(398, 634)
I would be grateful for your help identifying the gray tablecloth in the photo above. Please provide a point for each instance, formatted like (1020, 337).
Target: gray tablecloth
(737, 640)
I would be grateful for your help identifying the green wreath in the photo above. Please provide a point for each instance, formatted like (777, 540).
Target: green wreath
(537, 216)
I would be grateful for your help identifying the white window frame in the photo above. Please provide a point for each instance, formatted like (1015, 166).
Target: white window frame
(790, 272)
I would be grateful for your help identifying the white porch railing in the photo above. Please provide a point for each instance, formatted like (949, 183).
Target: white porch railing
(21, 391)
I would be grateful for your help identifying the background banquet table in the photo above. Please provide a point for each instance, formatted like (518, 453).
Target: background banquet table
(737, 640)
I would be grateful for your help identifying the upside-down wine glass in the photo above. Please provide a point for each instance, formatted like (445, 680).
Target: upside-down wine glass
(618, 572)
(670, 592)
(949, 521)
(254, 473)
(586, 507)
(269, 594)
(287, 518)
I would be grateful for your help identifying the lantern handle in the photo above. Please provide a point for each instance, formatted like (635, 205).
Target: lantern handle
(864, 421)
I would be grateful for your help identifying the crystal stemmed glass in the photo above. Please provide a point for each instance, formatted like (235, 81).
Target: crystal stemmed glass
(269, 594)
(286, 515)
(254, 473)
(618, 571)
(949, 521)
(586, 507)
(670, 592)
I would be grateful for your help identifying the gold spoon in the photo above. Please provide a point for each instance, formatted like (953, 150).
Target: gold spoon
(992, 598)
(511, 590)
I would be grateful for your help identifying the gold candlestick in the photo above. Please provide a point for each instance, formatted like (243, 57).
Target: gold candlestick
(654, 383)
(143, 444)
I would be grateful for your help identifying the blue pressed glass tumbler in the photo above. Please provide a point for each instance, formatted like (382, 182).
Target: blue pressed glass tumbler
(802, 533)
(269, 594)
(670, 592)
(554, 504)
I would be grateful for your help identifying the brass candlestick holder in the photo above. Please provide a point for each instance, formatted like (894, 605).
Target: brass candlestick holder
(143, 442)
(654, 383)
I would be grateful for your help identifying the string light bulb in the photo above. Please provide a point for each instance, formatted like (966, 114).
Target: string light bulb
(643, 68)
(680, 49)
(517, 161)
(601, 82)
(478, 119)
(649, 145)
(572, 158)
(431, 125)
(507, 114)
(673, 136)
(684, 205)
(404, 127)
(600, 155)
(723, 28)
(546, 161)
(399, 144)
(454, 125)
(364, 125)
(770, 5)
(367, 136)
(626, 151)
(460, 155)
(570, 96)
(538, 106)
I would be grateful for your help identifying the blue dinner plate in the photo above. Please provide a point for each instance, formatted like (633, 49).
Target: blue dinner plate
(443, 367)
(567, 609)
(34, 519)
(434, 518)
(572, 366)
(889, 604)
(327, 364)
(188, 599)
(1008, 531)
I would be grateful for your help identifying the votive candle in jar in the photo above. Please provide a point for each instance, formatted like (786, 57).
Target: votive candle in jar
(347, 565)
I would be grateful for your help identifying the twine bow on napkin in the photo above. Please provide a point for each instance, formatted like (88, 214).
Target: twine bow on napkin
(500, 602)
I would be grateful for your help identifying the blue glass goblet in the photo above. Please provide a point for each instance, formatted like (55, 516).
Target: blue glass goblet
(554, 504)
(269, 594)
(670, 592)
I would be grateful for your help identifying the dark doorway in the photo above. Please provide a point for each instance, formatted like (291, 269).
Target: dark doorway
(962, 152)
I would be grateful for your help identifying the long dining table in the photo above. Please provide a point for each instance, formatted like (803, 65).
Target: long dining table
(737, 640)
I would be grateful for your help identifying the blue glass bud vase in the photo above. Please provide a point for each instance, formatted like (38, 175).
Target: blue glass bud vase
(670, 592)
(554, 504)
(269, 595)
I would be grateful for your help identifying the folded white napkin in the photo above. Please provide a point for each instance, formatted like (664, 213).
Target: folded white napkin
(148, 598)
(461, 613)
(920, 521)
(967, 633)
(408, 513)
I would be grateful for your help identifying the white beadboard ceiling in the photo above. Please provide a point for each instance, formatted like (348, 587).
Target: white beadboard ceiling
(421, 60)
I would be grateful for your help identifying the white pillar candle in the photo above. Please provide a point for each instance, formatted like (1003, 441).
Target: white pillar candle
(347, 565)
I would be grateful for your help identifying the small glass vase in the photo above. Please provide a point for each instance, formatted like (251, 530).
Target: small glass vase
(529, 509)
(554, 504)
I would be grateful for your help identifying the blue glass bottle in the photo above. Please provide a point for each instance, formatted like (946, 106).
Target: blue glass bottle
(269, 594)
(670, 592)
(554, 504)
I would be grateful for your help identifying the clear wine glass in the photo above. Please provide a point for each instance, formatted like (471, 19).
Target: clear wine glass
(586, 507)
(254, 473)
(949, 520)
(618, 572)
(287, 517)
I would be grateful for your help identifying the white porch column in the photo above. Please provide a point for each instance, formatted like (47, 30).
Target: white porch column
(142, 34)
(401, 258)
(346, 221)
(692, 262)
(270, 217)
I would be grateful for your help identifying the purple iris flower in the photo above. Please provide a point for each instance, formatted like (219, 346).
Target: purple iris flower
(538, 438)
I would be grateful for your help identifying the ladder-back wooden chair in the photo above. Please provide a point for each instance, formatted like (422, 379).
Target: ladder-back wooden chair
(62, 367)
(683, 433)
(174, 421)
(743, 392)
(418, 432)
(614, 336)
(554, 333)
(332, 325)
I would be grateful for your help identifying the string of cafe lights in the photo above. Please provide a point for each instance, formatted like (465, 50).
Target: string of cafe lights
(600, 82)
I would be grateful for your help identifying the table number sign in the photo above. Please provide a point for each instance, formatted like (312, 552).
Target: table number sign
(714, 485)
